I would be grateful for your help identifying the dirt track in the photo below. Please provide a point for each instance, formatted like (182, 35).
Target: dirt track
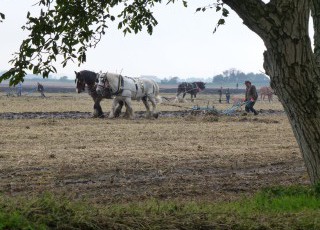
(138, 114)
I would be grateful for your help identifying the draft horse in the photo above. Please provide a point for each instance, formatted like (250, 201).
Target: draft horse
(191, 88)
(126, 89)
(88, 78)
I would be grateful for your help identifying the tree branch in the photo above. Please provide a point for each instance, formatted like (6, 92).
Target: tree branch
(253, 13)
(69, 28)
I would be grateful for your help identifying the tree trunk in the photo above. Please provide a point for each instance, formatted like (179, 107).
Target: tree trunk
(315, 12)
(292, 67)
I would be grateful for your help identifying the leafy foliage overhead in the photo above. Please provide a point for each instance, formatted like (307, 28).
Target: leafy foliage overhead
(69, 27)
(2, 17)
(219, 6)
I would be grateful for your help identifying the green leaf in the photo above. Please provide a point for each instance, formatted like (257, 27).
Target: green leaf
(55, 49)
(45, 74)
(215, 30)
(35, 69)
(221, 21)
(185, 3)
(119, 25)
(150, 29)
(225, 12)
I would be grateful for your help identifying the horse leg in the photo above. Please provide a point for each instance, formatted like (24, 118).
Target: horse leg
(146, 104)
(184, 94)
(113, 107)
(126, 114)
(177, 97)
(97, 110)
(154, 107)
(192, 99)
(118, 109)
(127, 100)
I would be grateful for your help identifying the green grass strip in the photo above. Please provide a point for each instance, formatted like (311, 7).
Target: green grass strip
(273, 208)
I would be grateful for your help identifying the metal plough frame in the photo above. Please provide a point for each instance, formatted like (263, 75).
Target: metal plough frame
(230, 111)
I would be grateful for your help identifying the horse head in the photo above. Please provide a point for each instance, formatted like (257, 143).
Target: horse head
(80, 82)
(201, 85)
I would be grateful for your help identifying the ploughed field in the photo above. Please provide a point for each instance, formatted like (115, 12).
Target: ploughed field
(53, 144)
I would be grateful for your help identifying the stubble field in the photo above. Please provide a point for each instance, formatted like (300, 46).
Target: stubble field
(52, 144)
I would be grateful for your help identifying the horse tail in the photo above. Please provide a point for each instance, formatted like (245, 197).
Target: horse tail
(157, 93)
(158, 99)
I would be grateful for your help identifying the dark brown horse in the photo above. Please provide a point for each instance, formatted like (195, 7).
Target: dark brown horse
(88, 78)
(191, 88)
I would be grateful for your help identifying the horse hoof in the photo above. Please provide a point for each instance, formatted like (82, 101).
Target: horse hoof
(101, 116)
(117, 113)
(131, 117)
(95, 115)
(98, 116)
(156, 115)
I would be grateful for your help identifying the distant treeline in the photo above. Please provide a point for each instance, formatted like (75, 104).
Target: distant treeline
(33, 77)
(236, 76)
(227, 77)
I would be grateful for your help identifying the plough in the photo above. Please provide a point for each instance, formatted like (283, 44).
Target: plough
(233, 109)
(211, 109)
(207, 108)
(229, 111)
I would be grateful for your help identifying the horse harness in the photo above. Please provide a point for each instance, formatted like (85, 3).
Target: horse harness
(141, 85)
(193, 86)
(137, 82)
(120, 85)
(120, 88)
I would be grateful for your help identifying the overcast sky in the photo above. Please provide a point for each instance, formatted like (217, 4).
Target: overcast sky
(182, 44)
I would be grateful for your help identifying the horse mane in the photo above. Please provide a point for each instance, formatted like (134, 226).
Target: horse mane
(89, 77)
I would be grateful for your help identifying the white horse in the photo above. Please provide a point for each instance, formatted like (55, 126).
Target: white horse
(126, 89)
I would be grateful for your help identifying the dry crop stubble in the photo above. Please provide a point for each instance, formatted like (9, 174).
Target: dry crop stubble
(105, 160)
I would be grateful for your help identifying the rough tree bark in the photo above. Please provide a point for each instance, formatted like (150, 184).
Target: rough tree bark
(291, 64)
(315, 12)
